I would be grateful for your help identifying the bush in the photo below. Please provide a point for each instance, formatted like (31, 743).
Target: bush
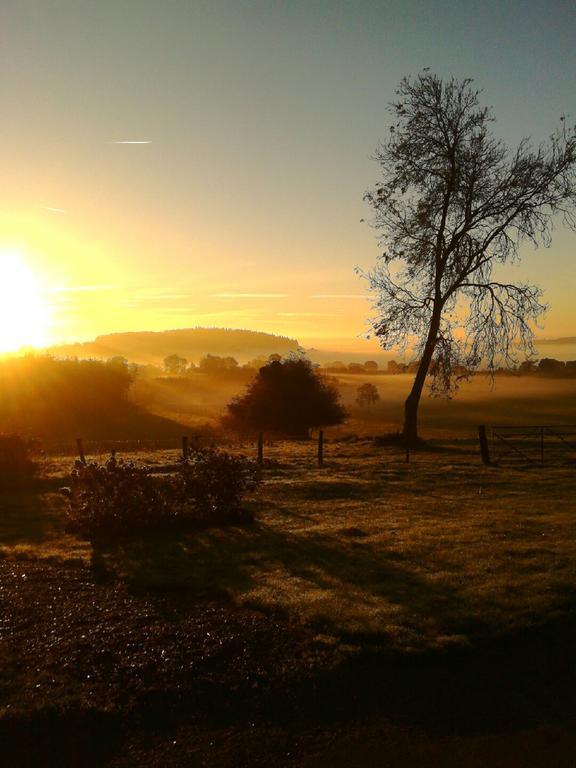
(287, 398)
(123, 498)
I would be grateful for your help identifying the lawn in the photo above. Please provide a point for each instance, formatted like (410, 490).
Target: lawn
(368, 549)
(375, 613)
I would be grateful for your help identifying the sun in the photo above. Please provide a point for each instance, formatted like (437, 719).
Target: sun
(24, 316)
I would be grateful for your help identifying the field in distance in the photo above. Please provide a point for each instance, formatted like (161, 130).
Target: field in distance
(202, 399)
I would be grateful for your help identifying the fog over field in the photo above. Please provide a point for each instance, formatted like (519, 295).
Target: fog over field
(505, 400)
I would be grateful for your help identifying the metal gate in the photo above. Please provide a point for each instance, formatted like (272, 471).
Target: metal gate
(534, 444)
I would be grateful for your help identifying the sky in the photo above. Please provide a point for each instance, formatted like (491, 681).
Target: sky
(242, 206)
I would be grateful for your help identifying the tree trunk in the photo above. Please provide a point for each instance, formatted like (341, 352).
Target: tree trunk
(410, 431)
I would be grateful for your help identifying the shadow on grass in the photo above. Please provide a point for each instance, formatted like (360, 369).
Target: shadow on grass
(221, 563)
(30, 512)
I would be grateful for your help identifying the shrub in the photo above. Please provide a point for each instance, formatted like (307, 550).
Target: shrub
(122, 498)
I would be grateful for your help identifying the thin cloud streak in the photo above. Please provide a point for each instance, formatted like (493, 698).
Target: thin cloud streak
(82, 288)
(250, 295)
(307, 314)
(53, 210)
(339, 296)
(131, 142)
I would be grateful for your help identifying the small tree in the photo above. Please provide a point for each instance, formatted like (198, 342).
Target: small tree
(286, 398)
(175, 365)
(367, 395)
(453, 203)
(214, 364)
(118, 361)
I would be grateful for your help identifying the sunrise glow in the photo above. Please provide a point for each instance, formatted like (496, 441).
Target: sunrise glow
(24, 316)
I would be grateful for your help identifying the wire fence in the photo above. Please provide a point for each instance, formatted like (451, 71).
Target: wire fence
(534, 444)
(552, 445)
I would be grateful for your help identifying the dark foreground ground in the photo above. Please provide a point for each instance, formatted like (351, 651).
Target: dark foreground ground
(95, 675)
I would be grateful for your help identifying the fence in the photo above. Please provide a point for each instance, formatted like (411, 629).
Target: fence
(92, 448)
(539, 444)
(521, 445)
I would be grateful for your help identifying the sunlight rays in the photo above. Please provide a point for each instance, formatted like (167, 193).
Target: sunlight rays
(24, 316)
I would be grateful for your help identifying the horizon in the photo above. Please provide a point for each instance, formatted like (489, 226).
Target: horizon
(562, 348)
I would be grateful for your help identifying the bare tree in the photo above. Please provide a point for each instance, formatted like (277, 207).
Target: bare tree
(454, 203)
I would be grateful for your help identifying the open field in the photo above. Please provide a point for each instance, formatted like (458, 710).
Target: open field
(421, 611)
(202, 400)
(437, 552)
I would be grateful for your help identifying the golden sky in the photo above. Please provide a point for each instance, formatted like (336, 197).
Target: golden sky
(240, 205)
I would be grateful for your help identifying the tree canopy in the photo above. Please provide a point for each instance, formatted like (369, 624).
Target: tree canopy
(286, 398)
(453, 204)
(367, 395)
(175, 365)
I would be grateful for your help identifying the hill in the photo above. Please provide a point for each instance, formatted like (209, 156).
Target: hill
(59, 400)
(151, 347)
(561, 340)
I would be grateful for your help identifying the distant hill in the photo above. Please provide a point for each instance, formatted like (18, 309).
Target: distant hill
(563, 340)
(151, 347)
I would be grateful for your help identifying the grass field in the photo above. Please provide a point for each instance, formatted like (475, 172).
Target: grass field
(202, 400)
(435, 553)
(376, 612)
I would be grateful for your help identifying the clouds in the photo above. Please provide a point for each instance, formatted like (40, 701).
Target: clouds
(84, 288)
(339, 296)
(250, 295)
(307, 314)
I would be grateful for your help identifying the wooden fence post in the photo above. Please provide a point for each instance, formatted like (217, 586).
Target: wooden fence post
(260, 448)
(185, 451)
(321, 448)
(80, 445)
(484, 449)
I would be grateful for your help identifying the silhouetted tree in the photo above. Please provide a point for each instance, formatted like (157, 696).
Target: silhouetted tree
(453, 203)
(214, 364)
(548, 366)
(119, 361)
(527, 367)
(367, 395)
(175, 365)
(286, 398)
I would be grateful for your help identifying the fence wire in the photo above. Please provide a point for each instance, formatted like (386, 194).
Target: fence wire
(537, 444)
